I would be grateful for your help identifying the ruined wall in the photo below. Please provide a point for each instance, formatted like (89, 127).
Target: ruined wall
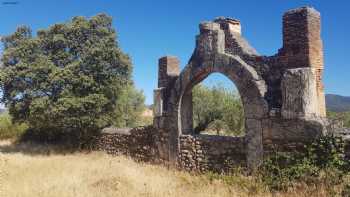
(282, 97)
(303, 48)
(141, 143)
(214, 153)
(168, 69)
(299, 94)
(297, 98)
(289, 135)
(198, 152)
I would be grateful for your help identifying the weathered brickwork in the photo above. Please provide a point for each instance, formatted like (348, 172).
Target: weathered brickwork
(302, 46)
(168, 68)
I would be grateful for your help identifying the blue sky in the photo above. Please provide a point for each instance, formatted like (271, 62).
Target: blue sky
(149, 29)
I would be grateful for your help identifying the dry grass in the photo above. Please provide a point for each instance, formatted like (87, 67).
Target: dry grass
(32, 170)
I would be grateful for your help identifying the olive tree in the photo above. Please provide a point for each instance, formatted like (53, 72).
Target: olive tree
(217, 108)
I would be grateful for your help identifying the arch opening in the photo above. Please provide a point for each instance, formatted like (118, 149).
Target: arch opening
(251, 88)
(213, 106)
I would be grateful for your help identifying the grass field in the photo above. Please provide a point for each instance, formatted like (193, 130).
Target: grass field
(46, 171)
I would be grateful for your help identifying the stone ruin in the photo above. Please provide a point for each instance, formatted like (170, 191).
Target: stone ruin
(282, 95)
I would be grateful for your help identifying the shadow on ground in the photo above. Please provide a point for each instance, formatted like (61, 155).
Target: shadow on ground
(33, 148)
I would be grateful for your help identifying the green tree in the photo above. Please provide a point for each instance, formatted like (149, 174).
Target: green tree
(218, 126)
(66, 79)
(217, 108)
(130, 107)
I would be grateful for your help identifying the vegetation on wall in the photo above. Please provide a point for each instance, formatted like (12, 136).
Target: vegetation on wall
(339, 117)
(217, 109)
(322, 162)
(321, 169)
(71, 78)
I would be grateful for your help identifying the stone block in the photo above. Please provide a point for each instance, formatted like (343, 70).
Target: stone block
(299, 94)
(168, 69)
(158, 102)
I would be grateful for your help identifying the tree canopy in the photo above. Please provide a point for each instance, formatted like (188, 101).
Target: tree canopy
(130, 106)
(68, 77)
(217, 108)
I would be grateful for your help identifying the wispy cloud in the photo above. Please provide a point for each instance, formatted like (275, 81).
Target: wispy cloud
(9, 2)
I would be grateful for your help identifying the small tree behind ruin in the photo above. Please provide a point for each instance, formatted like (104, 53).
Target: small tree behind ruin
(217, 108)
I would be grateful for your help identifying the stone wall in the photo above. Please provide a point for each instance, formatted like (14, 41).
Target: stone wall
(198, 152)
(214, 153)
(299, 95)
(289, 135)
(141, 143)
(201, 153)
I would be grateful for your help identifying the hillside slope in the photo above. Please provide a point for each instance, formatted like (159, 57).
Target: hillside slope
(337, 103)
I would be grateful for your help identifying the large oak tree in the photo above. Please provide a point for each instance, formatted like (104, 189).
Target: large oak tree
(68, 77)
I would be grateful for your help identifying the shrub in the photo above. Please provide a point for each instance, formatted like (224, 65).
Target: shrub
(238, 176)
(328, 152)
(322, 162)
(346, 191)
(280, 170)
(10, 130)
(336, 118)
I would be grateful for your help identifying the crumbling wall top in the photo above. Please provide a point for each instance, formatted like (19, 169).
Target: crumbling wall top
(305, 9)
(230, 24)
